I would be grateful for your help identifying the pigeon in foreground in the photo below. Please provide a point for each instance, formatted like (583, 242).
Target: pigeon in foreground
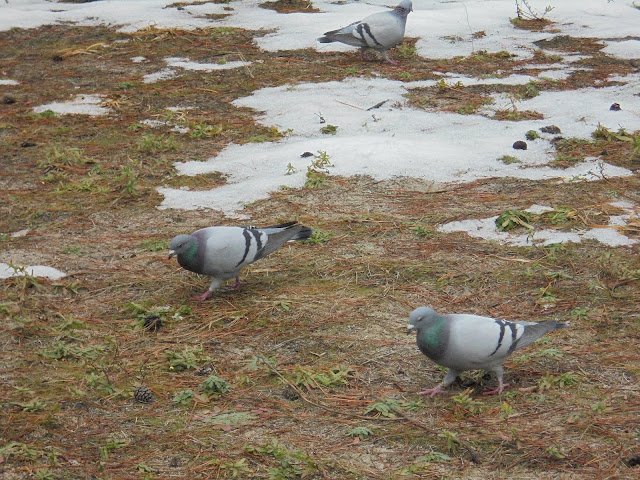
(380, 31)
(222, 252)
(469, 342)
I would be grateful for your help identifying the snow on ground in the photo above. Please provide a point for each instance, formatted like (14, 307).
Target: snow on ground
(445, 28)
(44, 271)
(79, 105)
(7, 81)
(186, 64)
(486, 228)
(164, 74)
(393, 139)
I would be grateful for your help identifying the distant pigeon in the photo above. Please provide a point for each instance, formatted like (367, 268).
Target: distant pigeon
(380, 31)
(222, 252)
(469, 342)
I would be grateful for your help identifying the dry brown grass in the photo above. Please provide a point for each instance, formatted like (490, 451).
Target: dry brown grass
(322, 377)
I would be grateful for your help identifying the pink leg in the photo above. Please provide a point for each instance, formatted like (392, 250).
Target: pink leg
(237, 285)
(386, 59)
(501, 386)
(432, 391)
(202, 297)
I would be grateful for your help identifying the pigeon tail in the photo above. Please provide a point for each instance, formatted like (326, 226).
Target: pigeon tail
(534, 331)
(303, 234)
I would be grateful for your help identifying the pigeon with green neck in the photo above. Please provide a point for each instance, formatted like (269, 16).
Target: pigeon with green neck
(221, 252)
(463, 342)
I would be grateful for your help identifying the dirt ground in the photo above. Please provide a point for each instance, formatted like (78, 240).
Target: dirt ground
(306, 372)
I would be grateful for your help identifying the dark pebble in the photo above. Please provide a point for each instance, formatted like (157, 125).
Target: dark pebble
(634, 461)
(306, 154)
(520, 145)
(615, 107)
(57, 58)
(153, 323)
(290, 394)
(27, 144)
(7, 100)
(207, 369)
(551, 129)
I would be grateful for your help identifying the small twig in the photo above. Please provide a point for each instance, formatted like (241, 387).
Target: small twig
(195, 403)
(377, 105)
(349, 105)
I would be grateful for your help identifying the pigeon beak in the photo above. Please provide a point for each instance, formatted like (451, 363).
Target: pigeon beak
(410, 328)
(171, 253)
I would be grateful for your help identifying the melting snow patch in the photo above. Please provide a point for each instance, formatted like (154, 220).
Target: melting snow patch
(80, 105)
(378, 135)
(629, 49)
(35, 271)
(486, 229)
(164, 74)
(203, 67)
(138, 59)
(20, 233)
(6, 81)
(160, 123)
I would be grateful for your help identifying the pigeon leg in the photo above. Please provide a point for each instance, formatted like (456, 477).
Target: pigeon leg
(212, 288)
(203, 297)
(448, 380)
(432, 391)
(501, 385)
(237, 285)
(386, 58)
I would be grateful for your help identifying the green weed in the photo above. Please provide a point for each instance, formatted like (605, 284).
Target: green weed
(510, 219)
(318, 237)
(532, 135)
(332, 377)
(187, 359)
(509, 159)
(329, 129)
(213, 385)
(360, 432)
(183, 397)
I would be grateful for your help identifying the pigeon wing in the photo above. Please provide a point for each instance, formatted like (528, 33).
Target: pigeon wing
(476, 342)
(228, 249)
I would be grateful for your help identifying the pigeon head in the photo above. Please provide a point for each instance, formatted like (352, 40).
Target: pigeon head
(405, 6)
(183, 245)
(421, 317)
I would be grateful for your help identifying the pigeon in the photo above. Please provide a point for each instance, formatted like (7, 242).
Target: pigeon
(222, 252)
(380, 31)
(469, 342)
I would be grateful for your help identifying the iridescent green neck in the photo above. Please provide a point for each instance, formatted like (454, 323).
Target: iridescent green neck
(188, 259)
(433, 338)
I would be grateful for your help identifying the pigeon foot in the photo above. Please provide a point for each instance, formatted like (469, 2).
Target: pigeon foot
(432, 391)
(236, 286)
(202, 297)
(501, 386)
